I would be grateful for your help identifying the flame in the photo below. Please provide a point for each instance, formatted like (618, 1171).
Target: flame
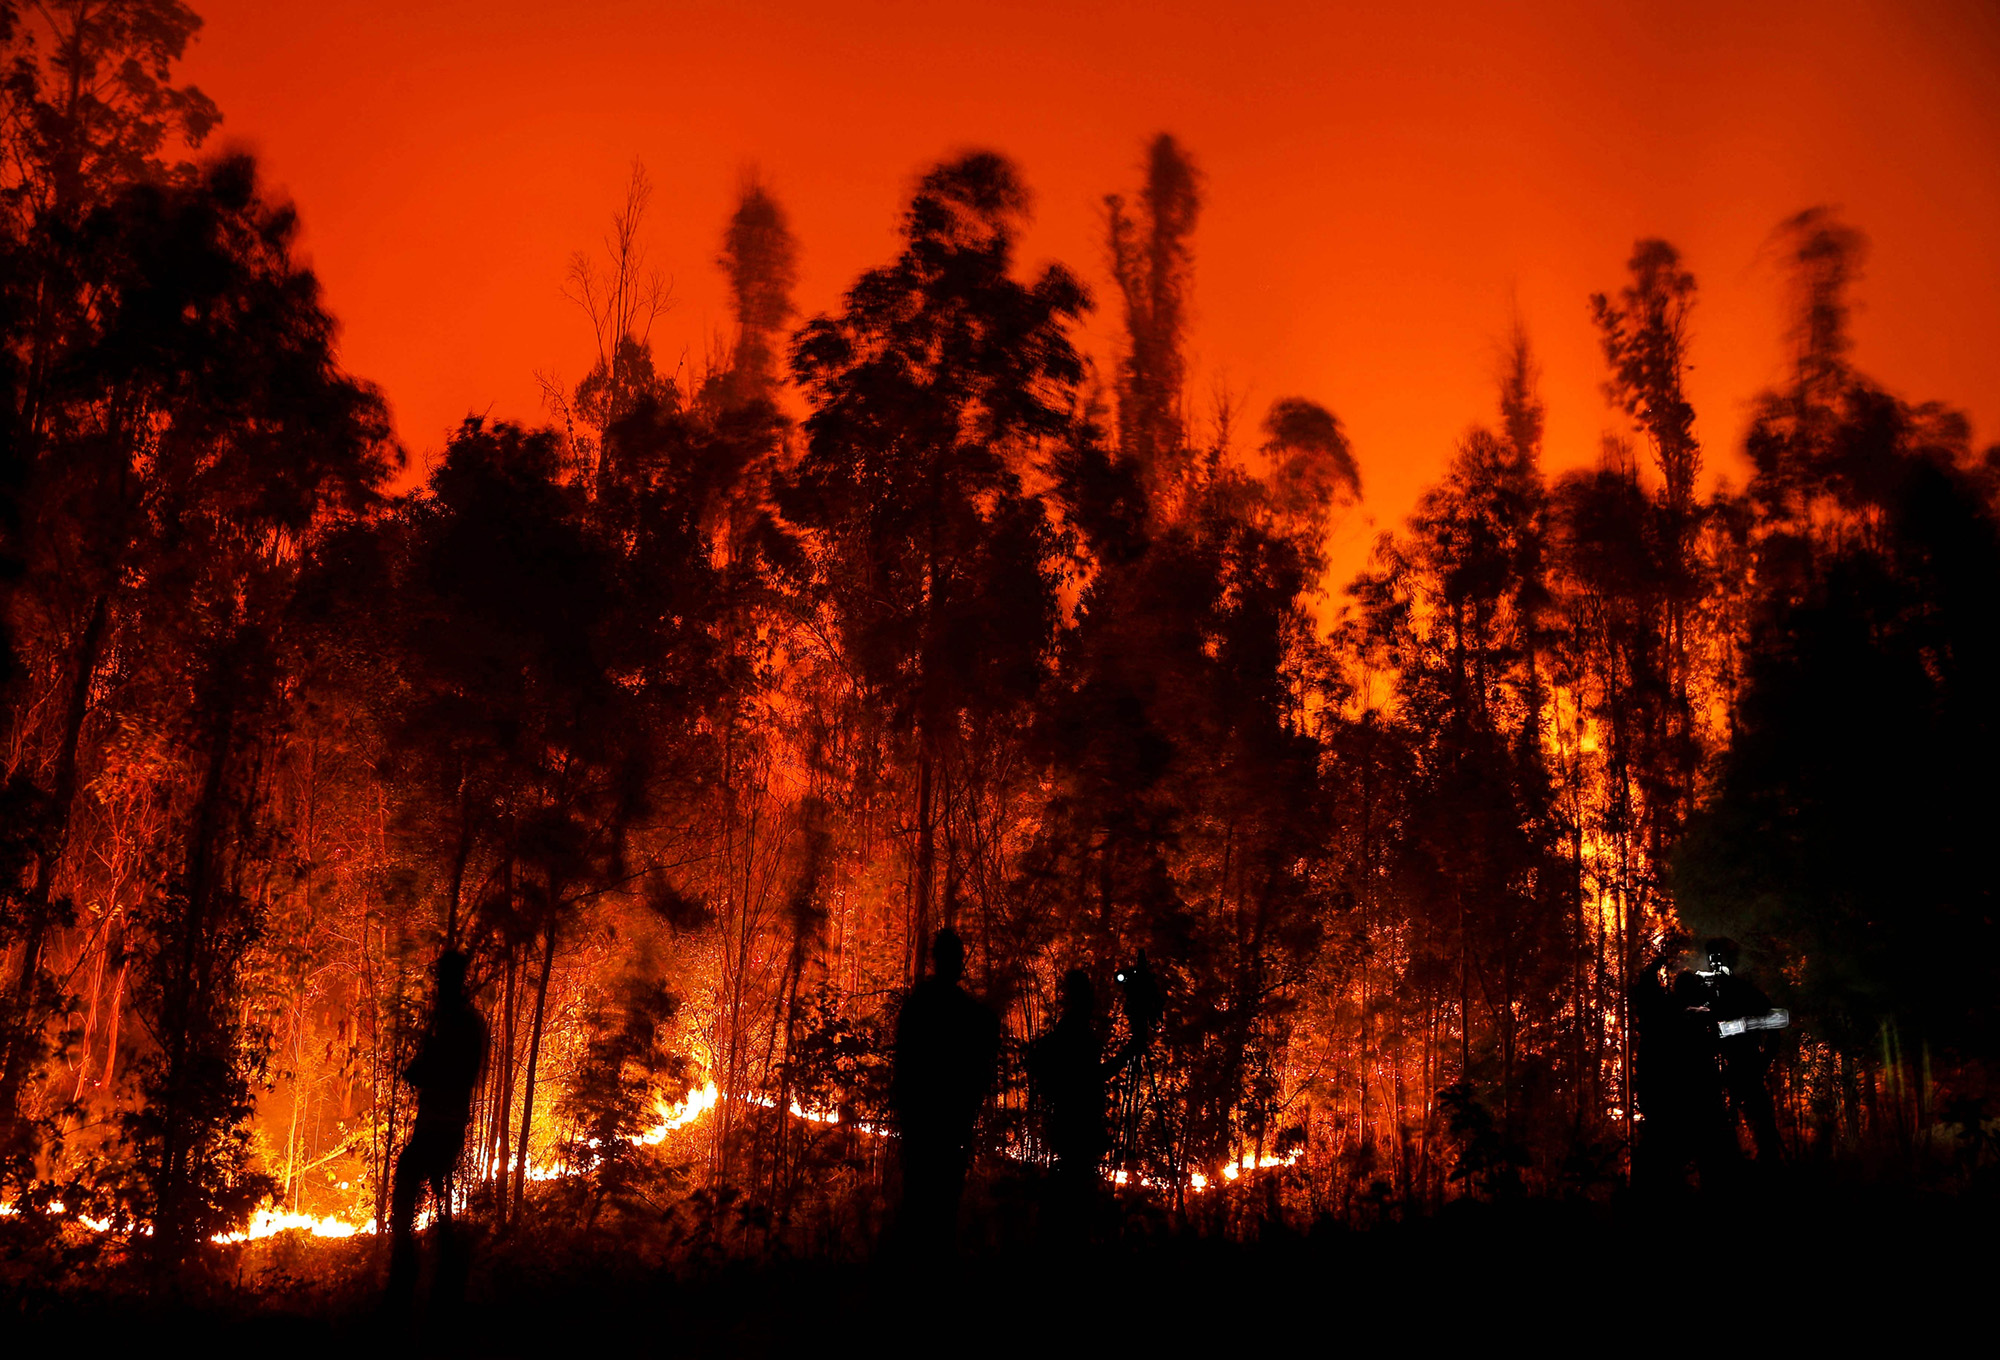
(264, 1223)
(815, 1116)
(58, 1209)
(270, 1222)
(678, 1116)
(703, 1099)
(1199, 1182)
(1251, 1162)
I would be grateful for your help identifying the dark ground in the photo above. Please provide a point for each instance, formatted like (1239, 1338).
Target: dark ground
(1784, 1272)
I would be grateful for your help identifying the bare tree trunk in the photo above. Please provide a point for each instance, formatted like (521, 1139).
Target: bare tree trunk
(458, 862)
(110, 1069)
(534, 1055)
(190, 984)
(920, 930)
(24, 1024)
(503, 1109)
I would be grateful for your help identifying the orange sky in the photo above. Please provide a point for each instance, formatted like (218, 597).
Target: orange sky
(1385, 181)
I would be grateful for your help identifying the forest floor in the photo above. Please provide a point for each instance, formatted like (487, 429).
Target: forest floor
(1787, 1270)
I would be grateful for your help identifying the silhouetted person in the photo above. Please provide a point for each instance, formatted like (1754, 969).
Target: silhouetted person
(444, 1074)
(946, 1046)
(1746, 1019)
(1070, 1076)
(1650, 1003)
(1678, 1085)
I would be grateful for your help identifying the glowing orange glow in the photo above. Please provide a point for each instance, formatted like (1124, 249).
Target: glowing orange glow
(1385, 183)
(1384, 194)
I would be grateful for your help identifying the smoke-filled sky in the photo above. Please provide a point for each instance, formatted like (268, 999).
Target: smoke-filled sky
(1386, 183)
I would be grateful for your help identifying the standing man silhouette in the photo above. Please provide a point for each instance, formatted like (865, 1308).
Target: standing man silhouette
(444, 1074)
(946, 1047)
(1744, 1015)
(1071, 1080)
(1679, 1087)
(1070, 1076)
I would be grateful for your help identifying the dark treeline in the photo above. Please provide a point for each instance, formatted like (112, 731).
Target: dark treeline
(692, 714)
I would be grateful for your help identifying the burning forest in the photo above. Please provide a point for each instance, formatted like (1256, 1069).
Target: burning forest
(937, 771)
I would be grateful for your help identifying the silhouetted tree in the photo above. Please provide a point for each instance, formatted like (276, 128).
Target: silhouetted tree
(761, 259)
(1457, 609)
(89, 105)
(91, 100)
(625, 1071)
(1838, 844)
(933, 393)
(1152, 262)
(255, 444)
(1645, 339)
